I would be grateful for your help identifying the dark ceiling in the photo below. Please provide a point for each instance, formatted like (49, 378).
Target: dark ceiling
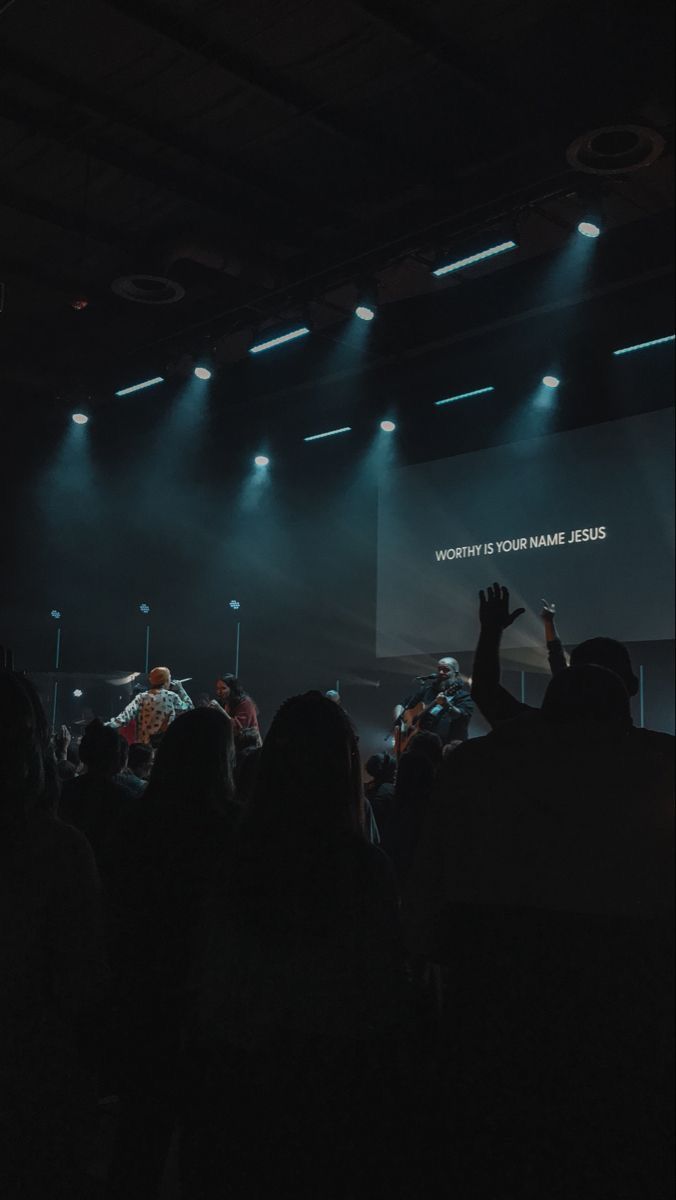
(267, 158)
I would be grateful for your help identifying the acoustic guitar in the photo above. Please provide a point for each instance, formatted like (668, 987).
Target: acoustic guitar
(409, 721)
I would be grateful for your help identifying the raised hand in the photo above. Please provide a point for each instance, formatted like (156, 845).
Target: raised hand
(494, 608)
(62, 740)
(548, 618)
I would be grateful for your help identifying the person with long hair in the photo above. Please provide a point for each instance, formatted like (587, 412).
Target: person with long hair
(53, 971)
(299, 988)
(183, 828)
(237, 704)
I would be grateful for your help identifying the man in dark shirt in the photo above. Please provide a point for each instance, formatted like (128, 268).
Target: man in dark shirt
(543, 882)
(448, 706)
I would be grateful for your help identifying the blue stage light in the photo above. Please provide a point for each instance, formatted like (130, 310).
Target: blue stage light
(138, 387)
(315, 437)
(202, 373)
(279, 341)
(490, 252)
(551, 381)
(55, 614)
(261, 460)
(644, 345)
(77, 692)
(388, 426)
(144, 608)
(589, 229)
(365, 312)
(80, 418)
(464, 395)
(235, 605)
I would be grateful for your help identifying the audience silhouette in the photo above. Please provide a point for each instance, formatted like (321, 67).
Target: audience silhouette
(299, 992)
(213, 947)
(53, 968)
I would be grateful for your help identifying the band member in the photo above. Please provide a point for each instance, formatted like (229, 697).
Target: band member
(442, 703)
(236, 704)
(155, 709)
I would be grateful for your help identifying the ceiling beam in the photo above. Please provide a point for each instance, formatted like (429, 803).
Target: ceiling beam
(252, 188)
(299, 101)
(37, 274)
(203, 188)
(63, 218)
(417, 31)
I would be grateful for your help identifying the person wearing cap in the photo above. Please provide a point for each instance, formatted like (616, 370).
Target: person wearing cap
(155, 709)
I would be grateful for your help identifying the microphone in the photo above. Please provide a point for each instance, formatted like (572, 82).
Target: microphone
(432, 676)
(183, 680)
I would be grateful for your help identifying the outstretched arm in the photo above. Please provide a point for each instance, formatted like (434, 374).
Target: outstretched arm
(494, 701)
(184, 703)
(126, 715)
(555, 651)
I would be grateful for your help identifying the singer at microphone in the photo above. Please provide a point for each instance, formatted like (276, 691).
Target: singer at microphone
(154, 710)
(441, 704)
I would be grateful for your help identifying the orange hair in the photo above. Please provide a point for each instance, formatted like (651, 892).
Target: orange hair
(159, 677)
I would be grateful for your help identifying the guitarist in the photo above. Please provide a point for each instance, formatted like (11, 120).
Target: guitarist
(442, 704)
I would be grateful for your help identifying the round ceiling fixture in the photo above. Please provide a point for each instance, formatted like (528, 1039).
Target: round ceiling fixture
(615, 149)
(148, 289)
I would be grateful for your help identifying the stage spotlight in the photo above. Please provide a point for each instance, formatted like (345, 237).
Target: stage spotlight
(77, 692)
(388, 426)
(55, 614)
(464, 396)
(551, 381)
(470, 259)
(315, 437)
(144, 608)
(261, 460)
(138, 387)
(202, 373)
(234, 605)
(80, 418)
(589, 229)
(365, 312)
(270, 343)
(644, 345)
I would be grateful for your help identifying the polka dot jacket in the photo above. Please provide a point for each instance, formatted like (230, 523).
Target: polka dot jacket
(153, 711)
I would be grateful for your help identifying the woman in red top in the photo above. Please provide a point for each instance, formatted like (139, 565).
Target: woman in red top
(236, 704)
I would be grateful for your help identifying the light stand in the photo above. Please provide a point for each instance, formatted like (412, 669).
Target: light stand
(145, 609)
(235, 606)
(57, 662)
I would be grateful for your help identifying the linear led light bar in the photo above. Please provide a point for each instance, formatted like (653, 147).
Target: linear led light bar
(465, 395)
(501, 248)
(330, 433)
(138, 387)
(644, 345)
(279, 341)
